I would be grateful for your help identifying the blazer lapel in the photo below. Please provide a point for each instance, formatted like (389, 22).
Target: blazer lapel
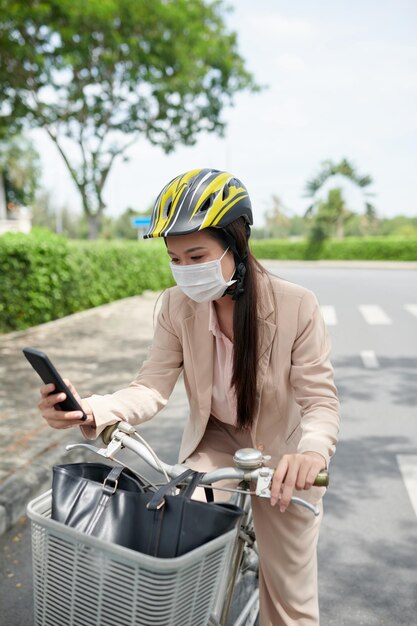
(201, 349)
(267, 328)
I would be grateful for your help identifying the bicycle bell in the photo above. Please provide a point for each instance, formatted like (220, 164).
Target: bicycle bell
(248, 458)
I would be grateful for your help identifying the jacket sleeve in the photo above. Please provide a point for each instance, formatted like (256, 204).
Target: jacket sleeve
(148, 393)
(312, 379)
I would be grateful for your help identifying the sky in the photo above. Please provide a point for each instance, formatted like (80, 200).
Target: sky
(341, 79)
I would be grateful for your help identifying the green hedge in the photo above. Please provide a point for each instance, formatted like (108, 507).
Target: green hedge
(351, 248)
(44, 277)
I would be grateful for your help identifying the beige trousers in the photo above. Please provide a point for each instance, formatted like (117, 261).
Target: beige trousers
(287, 541)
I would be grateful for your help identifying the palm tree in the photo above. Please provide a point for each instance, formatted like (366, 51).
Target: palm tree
(346, 169)
(331, 216)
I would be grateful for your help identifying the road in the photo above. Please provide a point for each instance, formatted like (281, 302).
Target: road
(368, 544)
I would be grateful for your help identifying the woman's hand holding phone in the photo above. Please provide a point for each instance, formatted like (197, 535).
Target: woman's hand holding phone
(63, 419)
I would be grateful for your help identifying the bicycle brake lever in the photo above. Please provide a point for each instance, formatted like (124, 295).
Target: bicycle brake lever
(263, 490)
(306, 505)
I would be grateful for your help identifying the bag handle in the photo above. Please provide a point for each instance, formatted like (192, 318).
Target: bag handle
(190, 488)
(112, 480)
(158, 498)
(109, 489)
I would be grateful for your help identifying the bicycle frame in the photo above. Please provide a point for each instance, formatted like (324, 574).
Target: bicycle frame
(243, 539)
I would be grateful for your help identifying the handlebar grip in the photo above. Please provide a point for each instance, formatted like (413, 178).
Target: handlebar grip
(322, 479)
(107, 433)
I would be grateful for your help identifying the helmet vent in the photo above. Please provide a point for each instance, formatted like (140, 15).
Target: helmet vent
(225, 191)
(167, 208)
(206, 204)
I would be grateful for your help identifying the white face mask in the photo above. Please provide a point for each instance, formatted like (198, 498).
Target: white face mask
(201, 282)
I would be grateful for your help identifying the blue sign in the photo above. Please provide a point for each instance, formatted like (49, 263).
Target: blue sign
(140, 222)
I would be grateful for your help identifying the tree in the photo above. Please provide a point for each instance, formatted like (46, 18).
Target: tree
(45, 214)
(335, 204)
(20, 171)
(282, 223)
(123, 228)
(276, 219)
(331, 216)
(97, 75)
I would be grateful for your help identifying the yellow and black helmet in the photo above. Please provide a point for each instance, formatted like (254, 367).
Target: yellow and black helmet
(199, 199)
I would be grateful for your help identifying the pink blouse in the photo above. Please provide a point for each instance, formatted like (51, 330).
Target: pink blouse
(223, 399)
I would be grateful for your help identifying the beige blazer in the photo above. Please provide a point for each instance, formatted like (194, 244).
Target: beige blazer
(297, 407)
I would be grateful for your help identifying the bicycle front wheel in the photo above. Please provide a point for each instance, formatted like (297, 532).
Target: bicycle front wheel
(244, 609)
(245, 605)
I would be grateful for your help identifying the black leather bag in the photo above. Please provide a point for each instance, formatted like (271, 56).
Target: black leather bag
(173, 525)
(98, 500)
(116, 506)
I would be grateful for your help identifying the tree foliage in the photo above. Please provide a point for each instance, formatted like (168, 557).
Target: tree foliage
(281, 222)
(104, 72)
(276, 218)
(346, 169)
(330, 217)
(46, 214)
(20, 168)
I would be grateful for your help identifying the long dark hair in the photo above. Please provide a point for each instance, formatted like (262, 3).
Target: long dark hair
(245, 324)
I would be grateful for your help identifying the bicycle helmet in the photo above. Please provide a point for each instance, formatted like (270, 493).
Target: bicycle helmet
(198, 199)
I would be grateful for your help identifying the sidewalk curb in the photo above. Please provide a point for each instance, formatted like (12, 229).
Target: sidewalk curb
(27, 460)
(14, 334)
(33, 479)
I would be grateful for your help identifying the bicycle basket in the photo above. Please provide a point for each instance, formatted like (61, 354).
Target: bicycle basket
(80, 580)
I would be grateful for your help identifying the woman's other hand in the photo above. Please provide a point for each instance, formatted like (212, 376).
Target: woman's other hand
(63, 419)
(294, 471)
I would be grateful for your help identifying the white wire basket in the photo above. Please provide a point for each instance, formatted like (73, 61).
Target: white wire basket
(82, 581)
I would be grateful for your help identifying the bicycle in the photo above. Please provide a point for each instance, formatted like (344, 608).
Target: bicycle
(213, 585)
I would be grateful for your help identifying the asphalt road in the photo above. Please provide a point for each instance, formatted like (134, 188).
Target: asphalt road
(368, 544)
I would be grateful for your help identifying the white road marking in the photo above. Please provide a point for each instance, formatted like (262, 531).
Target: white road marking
(411, 308)
(374, 315)
(329, 315)
(369, 359)
(408, 466)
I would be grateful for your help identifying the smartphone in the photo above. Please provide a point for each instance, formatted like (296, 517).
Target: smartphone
(49, 374)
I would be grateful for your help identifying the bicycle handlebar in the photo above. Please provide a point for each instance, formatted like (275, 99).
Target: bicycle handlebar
(123, 438)
(224, 473)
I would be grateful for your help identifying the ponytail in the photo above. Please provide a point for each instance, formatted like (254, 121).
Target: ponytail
(245, 323)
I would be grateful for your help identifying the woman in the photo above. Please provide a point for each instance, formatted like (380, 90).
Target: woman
(254, 351)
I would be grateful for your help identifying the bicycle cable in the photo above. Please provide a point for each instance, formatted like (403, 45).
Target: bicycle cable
(148, 447)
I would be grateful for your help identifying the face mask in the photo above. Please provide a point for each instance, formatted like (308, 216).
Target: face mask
(201, 282)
